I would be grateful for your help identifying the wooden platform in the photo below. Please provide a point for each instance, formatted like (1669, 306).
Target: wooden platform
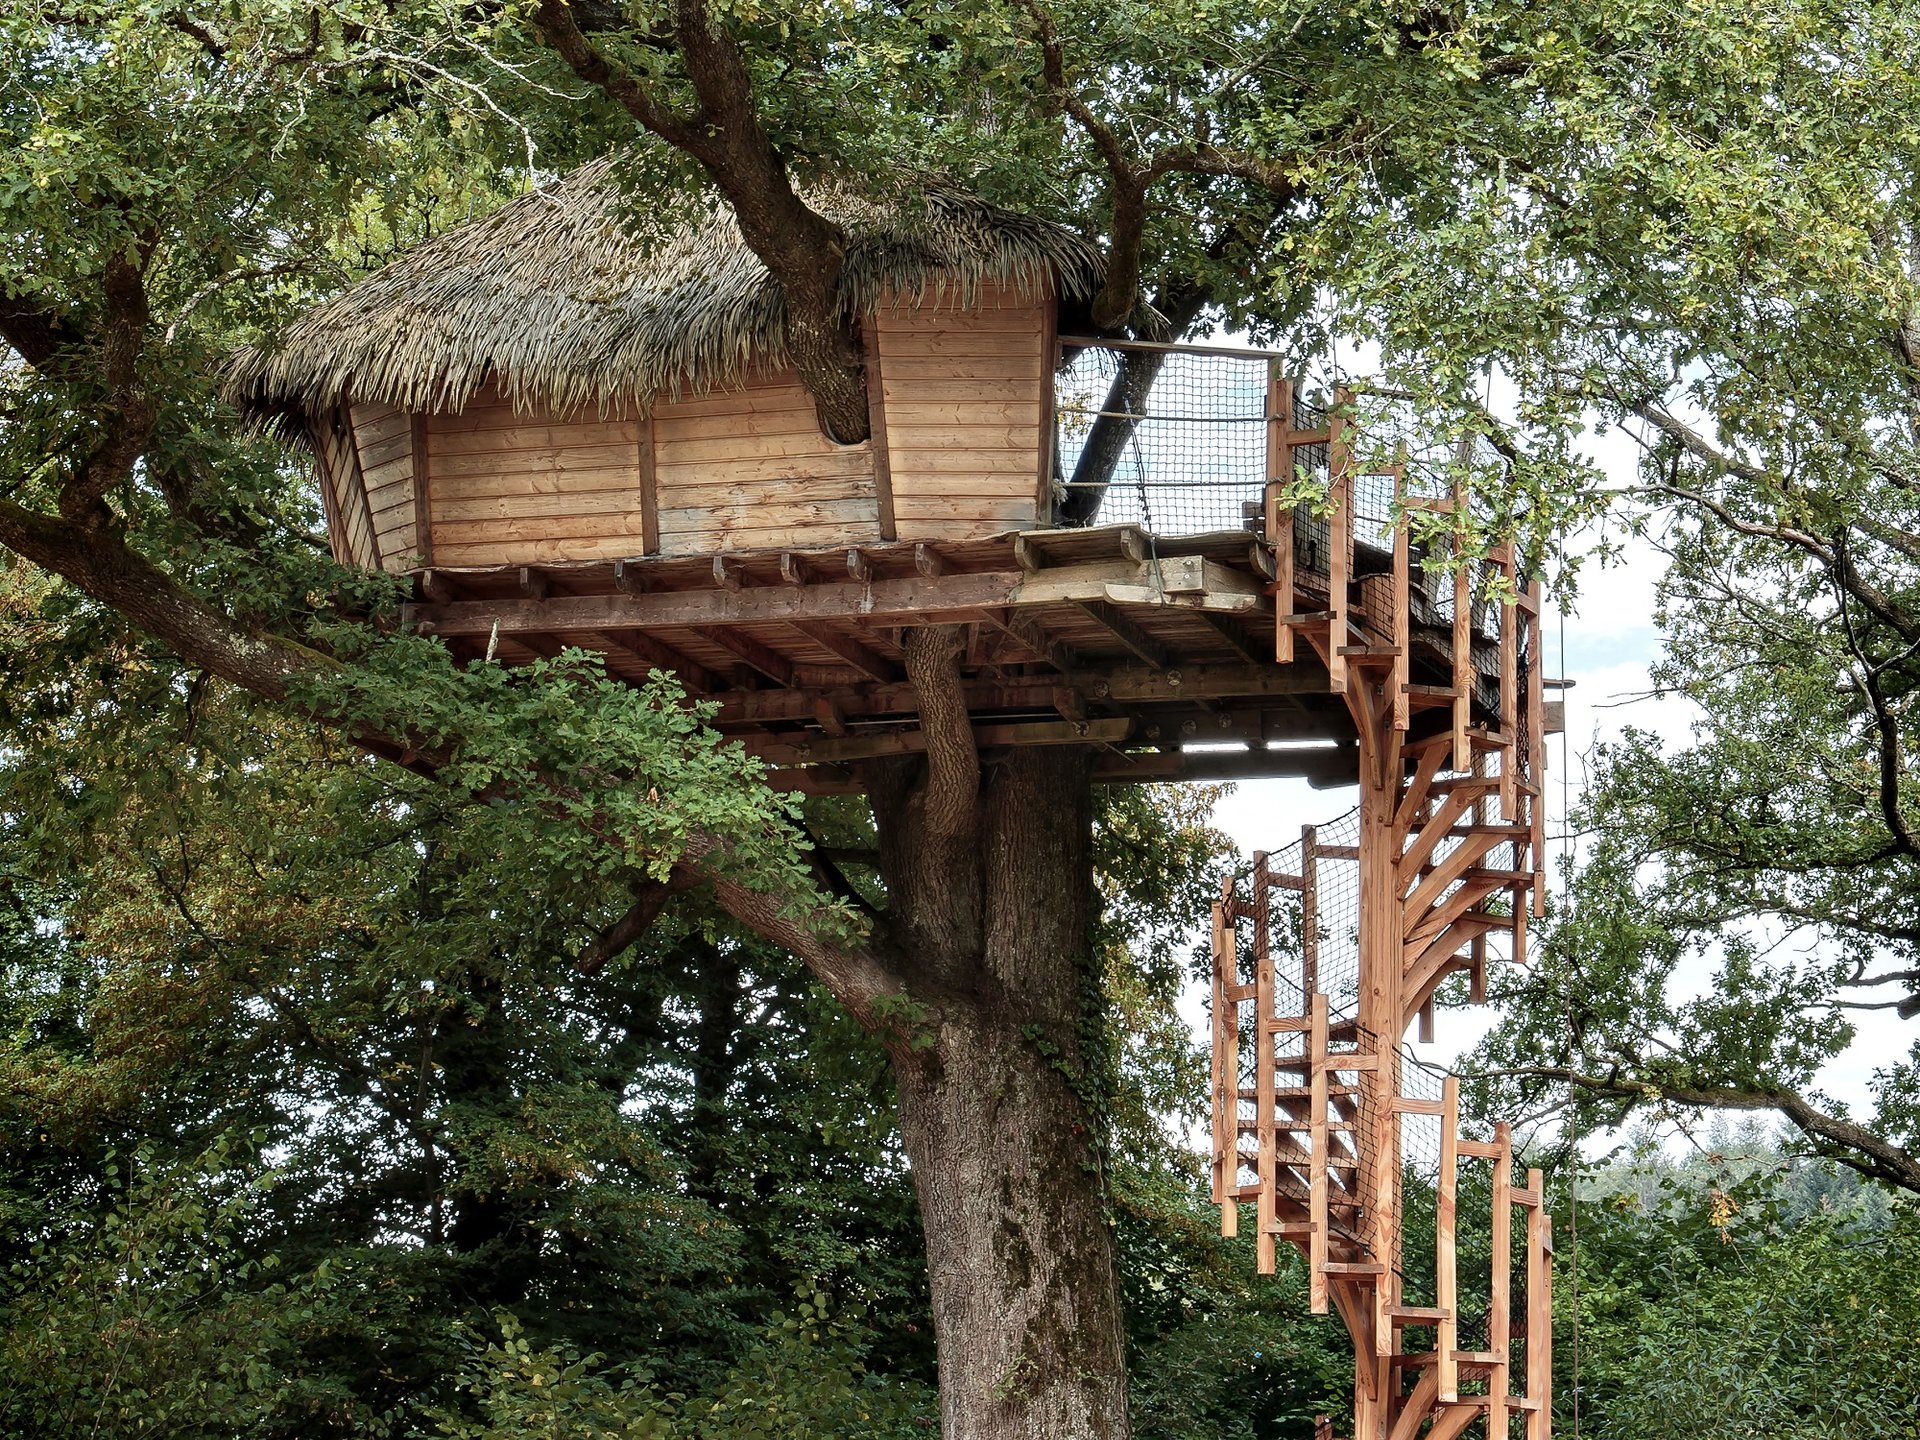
(1159, 651)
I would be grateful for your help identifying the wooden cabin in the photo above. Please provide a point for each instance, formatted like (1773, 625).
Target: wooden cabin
(960, 409)
(572, 425)
(548, 386)
(569, 428)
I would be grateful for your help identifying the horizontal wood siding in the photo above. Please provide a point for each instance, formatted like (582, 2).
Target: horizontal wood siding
(747, 468)
(383, 435)
(966, 414)
(518, 488)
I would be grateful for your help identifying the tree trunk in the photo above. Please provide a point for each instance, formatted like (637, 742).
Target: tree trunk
(993, 1096)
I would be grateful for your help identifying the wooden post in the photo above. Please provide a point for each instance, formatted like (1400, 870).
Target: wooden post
(1049, 418)
(649, 489)
(1510, 759)
(1226, 1083)
(422, 500)
(1319, 1063)
(1401, 674)
(1500, 1318)
(1464, 674)
(1446, 1291)
(1279, 518)
(877, 440)
(1537, 748)
(1309, 909)
(1539, 1312)
(1381, 1021)
(1339, 539)
(1263, 1007)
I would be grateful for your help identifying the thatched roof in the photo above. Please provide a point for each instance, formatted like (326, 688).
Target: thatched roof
(565, 298)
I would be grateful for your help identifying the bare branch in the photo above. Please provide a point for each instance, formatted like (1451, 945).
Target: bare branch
(1841, 1140)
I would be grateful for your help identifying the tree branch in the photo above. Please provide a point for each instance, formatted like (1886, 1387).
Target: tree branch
(1851, 1145)
(802, 250)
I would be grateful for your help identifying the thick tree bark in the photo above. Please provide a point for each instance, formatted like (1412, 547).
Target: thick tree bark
(989, 870)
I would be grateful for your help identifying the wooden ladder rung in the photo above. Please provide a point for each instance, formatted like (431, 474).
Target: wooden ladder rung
(1481, 1149)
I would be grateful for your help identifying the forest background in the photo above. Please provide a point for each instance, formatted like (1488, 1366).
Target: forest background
(335, 1101)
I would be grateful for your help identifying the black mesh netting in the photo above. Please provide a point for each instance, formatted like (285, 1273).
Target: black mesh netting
(1172, 440)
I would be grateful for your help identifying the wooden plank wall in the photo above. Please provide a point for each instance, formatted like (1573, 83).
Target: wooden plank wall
(966, 413)
(519, 488)
(747, 468)
(383, 436)
(349, 521)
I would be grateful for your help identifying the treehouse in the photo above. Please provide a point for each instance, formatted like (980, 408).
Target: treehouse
(567, 425)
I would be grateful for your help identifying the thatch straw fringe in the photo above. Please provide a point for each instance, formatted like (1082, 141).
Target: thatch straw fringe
(564, 299)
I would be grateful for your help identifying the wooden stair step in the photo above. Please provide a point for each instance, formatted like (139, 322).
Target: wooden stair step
(1418, 1314)
(1475, 1360)
(1352, 1269)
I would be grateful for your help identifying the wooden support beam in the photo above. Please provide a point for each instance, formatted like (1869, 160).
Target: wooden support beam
(628, 578)
(1339, 539)
(1027, 632)
(1130, 685)
(783, 750)
(1401, 632)
(1278, 519)
(774, 666)
(1500, 1312)
(829, 714)
(1539, 1313)
(1317, 1215)
(649, 488)
(726, 572)
(1446, 1292)
(1464, 674)
(794, 570)
(908, 601)
(877, 445)
(533, 584)
(1537, 754)
(1511, 760)
(868, 662)
(1234, 636)
(422, 489)
(1226, 1058)
(1467, 853)
(1310, 913)
(860, 565)
(439, 587)
(1132, 638)
(661, 656)
(929, 562)
(1264, 1105)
